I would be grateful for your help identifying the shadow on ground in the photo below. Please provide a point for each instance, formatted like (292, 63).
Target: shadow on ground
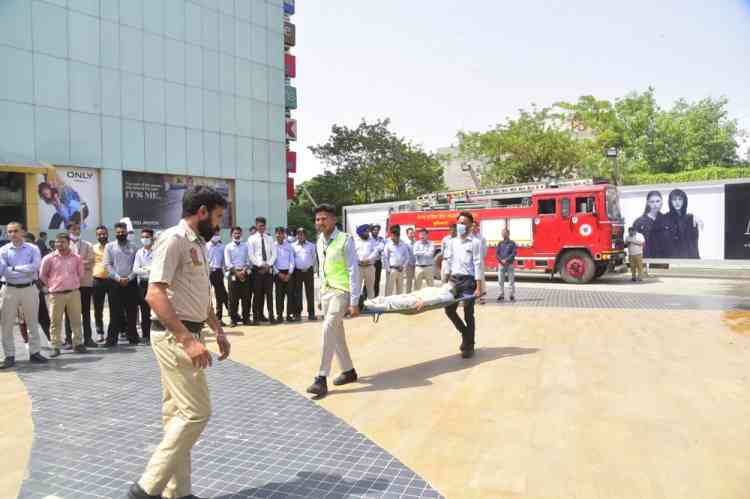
(311, 484)
(421, 374)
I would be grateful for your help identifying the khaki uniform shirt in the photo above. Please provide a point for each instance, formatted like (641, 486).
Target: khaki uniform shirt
(181, 263)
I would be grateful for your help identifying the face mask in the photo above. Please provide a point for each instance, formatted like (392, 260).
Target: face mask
(216, 239)
(461, 229)
(73, 237)
(146, 241)
(205, 229)
(131, 237)
(237, 239)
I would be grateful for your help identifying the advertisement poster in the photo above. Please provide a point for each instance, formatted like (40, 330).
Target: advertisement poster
(686, 222)
(737, 222)
(155, 201)
(68, 194)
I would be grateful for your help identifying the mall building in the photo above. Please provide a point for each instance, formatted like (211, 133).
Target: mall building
(110, 109)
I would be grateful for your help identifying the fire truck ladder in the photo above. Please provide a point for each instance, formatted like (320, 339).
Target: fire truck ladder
(483, 198)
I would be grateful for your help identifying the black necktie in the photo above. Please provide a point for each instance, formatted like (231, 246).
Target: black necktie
(263, 248)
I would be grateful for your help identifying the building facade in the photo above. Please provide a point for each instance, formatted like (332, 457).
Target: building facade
(111, 108)
(458, 174)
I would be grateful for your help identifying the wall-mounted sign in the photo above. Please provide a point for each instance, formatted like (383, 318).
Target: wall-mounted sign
(290, 34)
(68, 194)
(289, 7)
(291, 97)
(291, 129)
(291, 161)
(289, 188)
(290, 66)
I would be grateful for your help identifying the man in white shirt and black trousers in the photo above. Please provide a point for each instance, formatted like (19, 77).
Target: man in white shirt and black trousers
(305, 265)
(142, 269)
(215, 251)
(464, 263)
(237, 262)
(283, 268)
(262, 256)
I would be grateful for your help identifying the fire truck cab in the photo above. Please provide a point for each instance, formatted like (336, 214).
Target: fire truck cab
(574, 229)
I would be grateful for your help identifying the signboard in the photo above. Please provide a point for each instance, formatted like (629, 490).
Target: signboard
(155, 201)
(291, 129)
(291, 97)
(289, 7)
(290, 34)
(289, 188)
(290, 66)
(291, 161)
(681, 221)
(68, 194)
(737, 222)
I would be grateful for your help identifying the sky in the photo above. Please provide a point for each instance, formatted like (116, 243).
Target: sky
(436, 67)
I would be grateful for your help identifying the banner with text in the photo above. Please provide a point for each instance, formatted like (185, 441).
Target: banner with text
(68, 194)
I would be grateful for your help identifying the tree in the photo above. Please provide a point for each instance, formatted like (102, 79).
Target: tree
(534, 146)
(370, 163)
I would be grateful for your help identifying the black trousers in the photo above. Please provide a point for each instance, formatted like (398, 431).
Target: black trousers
(262, 292)
(283, 294)
(378, 272)
(42, 315)
(86, 294)
(239, 291)
(101, 291)
(465, 284)
(123, 306)
(304, 278)
(144, 309)
(220, 291)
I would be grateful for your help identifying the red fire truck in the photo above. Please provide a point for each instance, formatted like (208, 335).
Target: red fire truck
(572, 228)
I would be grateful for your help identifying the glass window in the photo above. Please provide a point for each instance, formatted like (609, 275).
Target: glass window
(613, 204)
(565, 207)
(12, 207)
(586, 204)
(546, 206)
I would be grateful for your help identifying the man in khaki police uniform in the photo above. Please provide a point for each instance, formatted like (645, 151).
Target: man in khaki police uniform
(179, 295)
(339, 293)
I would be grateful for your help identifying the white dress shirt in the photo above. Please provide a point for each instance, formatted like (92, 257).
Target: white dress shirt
(424, 253)
(367, 250)
(142, 264)
(305, 255)
(412, 259)
(284, 257)
(256, 250)
(215, 252)
(396, 255)
(236, 255)
(464, 257)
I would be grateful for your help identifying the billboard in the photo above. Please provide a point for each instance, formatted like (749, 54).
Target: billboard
(68, 194)
(737, 222)
(291, 97)
(289, 7)
(291, 129)
(684, 221)
(290, 66)
(290, 34)
(291, 161)
(155, 201)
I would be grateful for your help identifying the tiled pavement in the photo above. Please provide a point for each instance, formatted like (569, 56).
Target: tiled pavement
(96, 422)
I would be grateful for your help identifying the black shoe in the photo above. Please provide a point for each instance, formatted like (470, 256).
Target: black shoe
(234, 323)
(80, 349)
(37, 358)
(468, 353)
(109, 344)
(136, 492)
(222, 323)
(319, 387)
(289, 318)
(275, 321)
(55, 353)
(90, 344)
(147, 342)
(263, 319)
(512, 298)
(346, 377)
(500, 298)
(8, 363)
(255, 323)
(100, 337)
(312, 318)
(191, 496)
(67, 345)
(247, 322)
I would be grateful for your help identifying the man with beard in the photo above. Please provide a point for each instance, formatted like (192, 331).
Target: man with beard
(380, 244)
(367, 255)
(179, 295)
(102, 282)
(119, 258)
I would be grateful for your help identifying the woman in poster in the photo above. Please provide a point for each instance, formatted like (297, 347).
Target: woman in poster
(64, 199)
(682, 228)
(651, 224)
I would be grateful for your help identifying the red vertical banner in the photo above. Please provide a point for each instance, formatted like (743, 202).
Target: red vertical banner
(289, 188)
(290, 65)
(291, 129)
(291, 161)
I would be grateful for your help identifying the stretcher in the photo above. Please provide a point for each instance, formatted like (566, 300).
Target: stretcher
(375, 314)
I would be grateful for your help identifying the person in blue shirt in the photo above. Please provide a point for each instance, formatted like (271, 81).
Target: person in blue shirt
(506, 254)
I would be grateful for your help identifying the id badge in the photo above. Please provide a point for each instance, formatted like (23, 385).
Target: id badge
(194, 257)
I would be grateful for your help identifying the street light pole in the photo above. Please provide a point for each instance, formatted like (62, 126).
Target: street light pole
(612, 152)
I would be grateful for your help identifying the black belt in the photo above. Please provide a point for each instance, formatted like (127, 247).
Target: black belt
(62, 292)
(428, 265)
(308, 269)
(283, 271)
(19, 285)
(192, 326)
(400, 269)
(217, 270)
(364, 264)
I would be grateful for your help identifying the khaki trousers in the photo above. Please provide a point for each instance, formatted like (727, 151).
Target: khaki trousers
(186, 409)
(334, 303)
(394, 280)
(423, 277)
(367, 277)
(26, 299)
(636, 266)
(409, 279)
(59, 303)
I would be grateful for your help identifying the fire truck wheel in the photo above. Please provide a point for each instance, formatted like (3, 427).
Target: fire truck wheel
(600, 271)
(577, 267)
